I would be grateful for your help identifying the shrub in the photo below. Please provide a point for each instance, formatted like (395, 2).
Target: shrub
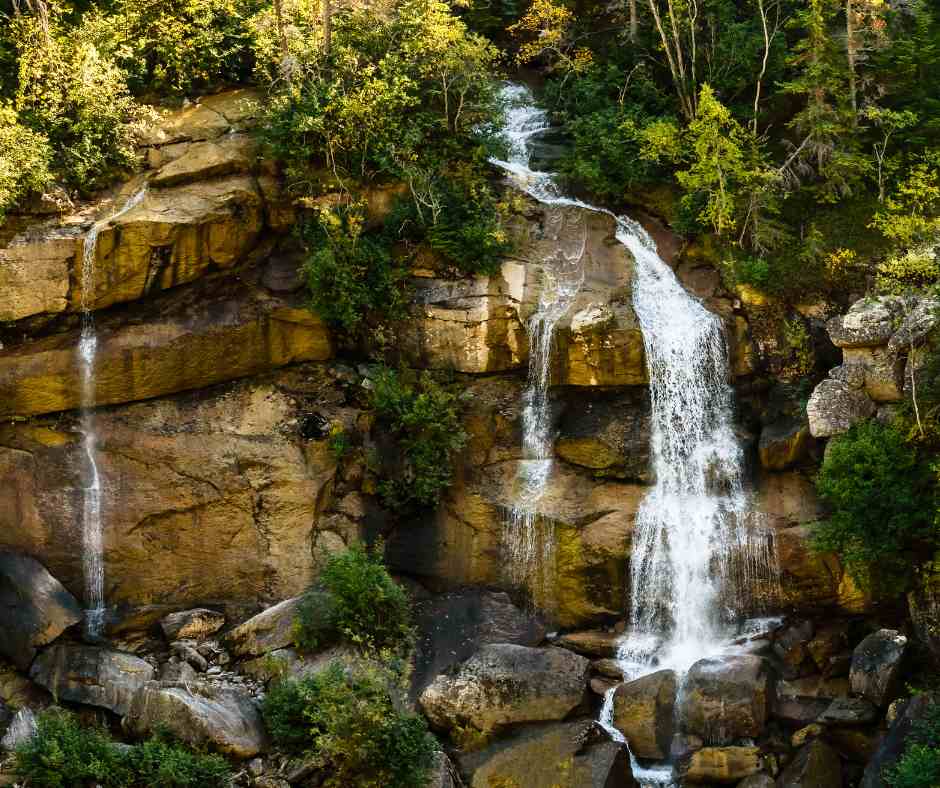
(25, 156)
(919, 764)
(364, 606)
(66, 753)
(346, 722)
(424, 422)
(880, 495)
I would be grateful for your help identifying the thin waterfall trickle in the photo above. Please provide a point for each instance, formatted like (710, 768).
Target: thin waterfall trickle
(92, 526)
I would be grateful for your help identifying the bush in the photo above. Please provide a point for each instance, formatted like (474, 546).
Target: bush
(346, 722)
(65, 753)
(423, 420)
(24, 160)
(881, 499)
(919, 765)
(363, 606)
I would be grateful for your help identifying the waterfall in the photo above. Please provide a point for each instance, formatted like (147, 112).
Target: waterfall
(92, 526)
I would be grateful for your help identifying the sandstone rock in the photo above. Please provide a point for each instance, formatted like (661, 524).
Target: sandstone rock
(210, 118)
(192, 624)
(34, 271)
(35, 608)
(815, 766)
(783, 444)
(226, 719)
(834, 407)
(726, 699)
(269, 630)
(593, 643)
(720, 764)
(849, 711)
(91, 675)
(891, 749)
(20, 730)
(603, 347)
(829, 641)
(608, 433)
(231, 154)
(876, 666)
(452, 627)
(289, 663)
(503, 684)
(609, 668)
(644, 713)
(179, 672)
(562, 755)
(870, 322)
(799, 709)
(882, 372)
(18, 691)
(186, 342)
(918, 324)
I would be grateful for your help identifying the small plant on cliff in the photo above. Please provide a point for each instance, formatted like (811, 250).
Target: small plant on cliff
(424, 421)
(881, 497)
(362, 606)
(344, 719)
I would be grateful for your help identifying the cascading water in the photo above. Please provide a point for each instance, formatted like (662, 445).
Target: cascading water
(92, 527)
(695, 551)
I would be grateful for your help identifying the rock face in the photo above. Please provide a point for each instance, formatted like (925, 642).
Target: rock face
(644, 713)
(269, 630)
(726, 699)
(566, 755)
(816, 765)
(834, 407)
(226, 719)
(503, 684)
(876, 666)
(725, 765)
(870, 322)
(34, 271)
(189, 341)
(35, 608)
(91, 675)
(784, 444)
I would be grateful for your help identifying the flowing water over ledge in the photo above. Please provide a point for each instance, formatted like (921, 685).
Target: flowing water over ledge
(698, 548)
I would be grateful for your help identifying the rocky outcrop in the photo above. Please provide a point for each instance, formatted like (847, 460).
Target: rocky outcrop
(876, 666)
(644, 713)
(834, 406)
(725, 699)
(271, 629)
(226, 719)
(503, 684)
(816, 765)
(91, 675)
(566, 755)
(35, 608)
(34, 271)
(723, 765)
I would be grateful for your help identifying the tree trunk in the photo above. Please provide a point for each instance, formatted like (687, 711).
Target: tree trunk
(851, 51)
(634, 22)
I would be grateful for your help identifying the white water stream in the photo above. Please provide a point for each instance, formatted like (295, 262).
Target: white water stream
(695, 552)
(92, 526)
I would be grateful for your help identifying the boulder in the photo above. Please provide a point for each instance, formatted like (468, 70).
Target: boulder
(870, 322)
(834, 407)
(721, 765)
(849, 711)
(816, 765)
(892, 747)
(503, 684)
(91, 675)
(18, 691)
(35, 608)
(592, 642)
(882, 371)
(608, 433)
(560, 755)
(224, 718)
(918, 325)
(34, 271)
(193, 624)
(725, 699)
(452, 627)
(603, 346)
(269, 630)
(644, 713)
(289, 663)
(783, 444)
(876, 666)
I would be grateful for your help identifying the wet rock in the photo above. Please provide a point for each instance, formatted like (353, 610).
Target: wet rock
(876, 666)
(725, 699)
(91, 675)
(224, 718)
(870, 322)
(35, 608)
(834, 407)
(828, 642)
(193, 624)
(849, 711)
(891, 749)
(269, 630)
(20, 730)
(644, 713)
(722, 765)
(799, 709)
(816, 765)
(783, 444)
(790, 648)
(503, 684)
(603, 347)
(443, 773)
(562, 755)
(610, 668)
(593, 643)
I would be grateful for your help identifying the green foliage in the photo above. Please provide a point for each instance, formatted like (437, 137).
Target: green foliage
(881, 499)
(363, 606)
(350, 273)
(919, 765)
(424, 422)
(66, 753)
(345, 721)
(25, 157)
